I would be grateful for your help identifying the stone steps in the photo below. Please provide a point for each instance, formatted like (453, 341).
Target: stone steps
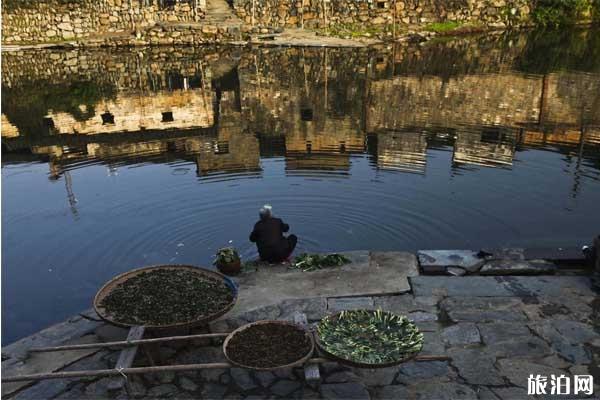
(220, 14)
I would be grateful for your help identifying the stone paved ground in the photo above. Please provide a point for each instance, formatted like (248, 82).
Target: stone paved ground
(497, 331)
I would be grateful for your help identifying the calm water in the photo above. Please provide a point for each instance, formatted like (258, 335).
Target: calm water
(113, 160)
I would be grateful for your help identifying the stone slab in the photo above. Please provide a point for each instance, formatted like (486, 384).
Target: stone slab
(45, 362)
(506, 253)
(384, 273)
(517, 267)
(498, 332)
(55, 335)
(433, 260)
(461, 334)
(349, 303)
(518, 370)
(418, 370)
(443, 391)
(475, 366)
(350, 390)
(501, 286)
(483, 309)
(406, 303)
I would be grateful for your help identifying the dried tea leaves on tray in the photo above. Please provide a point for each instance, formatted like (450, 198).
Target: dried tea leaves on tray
(166, 296)
(369, 337)
(268, 345)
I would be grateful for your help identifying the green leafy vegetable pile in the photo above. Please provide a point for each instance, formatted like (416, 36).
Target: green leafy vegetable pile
(312, 262)
(369, 337)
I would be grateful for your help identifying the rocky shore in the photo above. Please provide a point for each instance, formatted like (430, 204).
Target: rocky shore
(496, 331)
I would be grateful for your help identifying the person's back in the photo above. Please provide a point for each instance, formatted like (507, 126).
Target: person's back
(268, 236)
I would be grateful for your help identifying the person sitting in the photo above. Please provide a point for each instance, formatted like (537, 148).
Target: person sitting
(272, 246)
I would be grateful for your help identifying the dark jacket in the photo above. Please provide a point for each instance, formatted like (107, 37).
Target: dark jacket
(268, 235)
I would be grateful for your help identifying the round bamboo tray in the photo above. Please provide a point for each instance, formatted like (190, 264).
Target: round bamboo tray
(357, 364)
(110, 285)
(296, 363)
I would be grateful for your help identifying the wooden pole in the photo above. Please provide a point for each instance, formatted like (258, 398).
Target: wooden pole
(127, 343)
(114, 372)
(162, 368)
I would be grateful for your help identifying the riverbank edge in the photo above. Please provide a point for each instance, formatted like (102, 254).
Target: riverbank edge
(439, 274)
(490, 262)
(198, 35)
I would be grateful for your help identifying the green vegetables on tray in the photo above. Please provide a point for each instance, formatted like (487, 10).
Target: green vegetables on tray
(369, 336)
(312, 262)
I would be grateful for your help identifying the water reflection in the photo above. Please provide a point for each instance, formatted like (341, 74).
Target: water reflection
(163, 154)
(315, 107)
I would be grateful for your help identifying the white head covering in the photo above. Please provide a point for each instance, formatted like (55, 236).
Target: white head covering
(265, 211)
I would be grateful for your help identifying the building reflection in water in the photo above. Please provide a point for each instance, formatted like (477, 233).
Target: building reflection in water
(402, 151)
(315, 108)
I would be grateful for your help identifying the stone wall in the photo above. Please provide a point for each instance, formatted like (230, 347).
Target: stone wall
(58, 20)
(322, 13)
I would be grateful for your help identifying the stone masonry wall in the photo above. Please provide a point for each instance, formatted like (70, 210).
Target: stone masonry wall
(320, 13)
(58, 20)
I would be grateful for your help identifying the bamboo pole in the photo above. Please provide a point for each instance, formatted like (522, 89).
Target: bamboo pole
(113, 372)
(161, 368)
(127, 343)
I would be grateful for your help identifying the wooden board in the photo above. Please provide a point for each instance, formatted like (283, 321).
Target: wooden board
(126, 357)
(311, 370)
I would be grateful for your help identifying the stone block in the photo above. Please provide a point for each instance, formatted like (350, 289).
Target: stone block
(393, 392)
(575, 331)
(262, 313)
(284, 388)
(335, 305)
(41, 362)
(461, 334)
(418, 370)
(406, 303)
(434, 260)
(518, 370)
(476, 366)
(517, 254)
(162, 391)
(483, 309)
(242, 379)
(498, 332)
(433, 344)
(210, 29)
(501, 286)
(43, 390)
(187, 384)
(528, 346)
(341, 377)
(348, 391)
(420, 316)
(444, 391)
(65, 26)
(376, 377)
(574, 352)
(513, 267)
(264, 378)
